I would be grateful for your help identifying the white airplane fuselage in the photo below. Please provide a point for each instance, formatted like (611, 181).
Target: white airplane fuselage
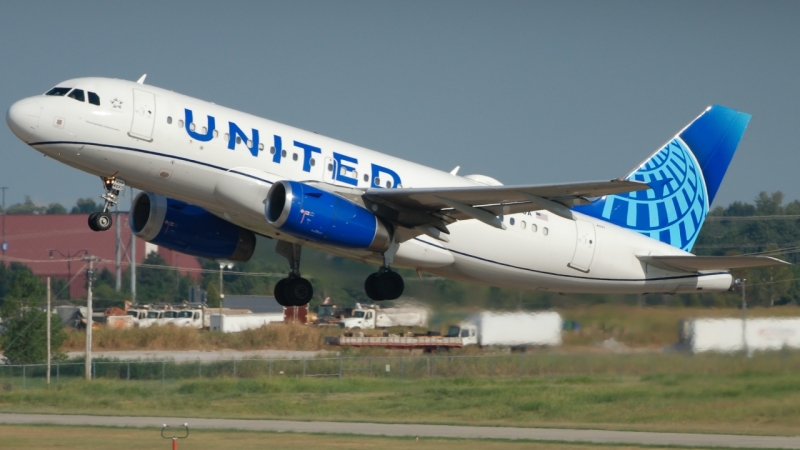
(147, 142)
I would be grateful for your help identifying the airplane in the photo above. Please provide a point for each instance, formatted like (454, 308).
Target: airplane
(212, 178)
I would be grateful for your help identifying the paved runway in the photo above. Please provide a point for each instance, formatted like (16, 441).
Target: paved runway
(449, 431)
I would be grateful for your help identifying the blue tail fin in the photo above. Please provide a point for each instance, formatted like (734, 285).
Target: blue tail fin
(685, 176)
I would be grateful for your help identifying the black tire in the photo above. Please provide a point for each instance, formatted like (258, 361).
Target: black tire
(92, 224)
(371, 288)
(298, 291)
(103, 221)
(390, 285)
(280, 297)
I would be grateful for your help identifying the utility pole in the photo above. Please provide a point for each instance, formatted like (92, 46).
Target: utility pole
(118, 284)
(90, 279)
(49, 316)
(740, 282)
(4, 244)
(133, 257)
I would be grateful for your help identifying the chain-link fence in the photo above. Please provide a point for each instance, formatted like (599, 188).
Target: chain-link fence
(537, 364)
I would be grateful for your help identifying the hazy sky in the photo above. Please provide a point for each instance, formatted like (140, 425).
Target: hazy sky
(526, 92)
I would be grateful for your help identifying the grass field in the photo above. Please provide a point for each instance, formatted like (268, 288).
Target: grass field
(49, 437)
(745, 402)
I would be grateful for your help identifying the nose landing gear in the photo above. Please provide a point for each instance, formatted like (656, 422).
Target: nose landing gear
(293, 290)
(101, 221)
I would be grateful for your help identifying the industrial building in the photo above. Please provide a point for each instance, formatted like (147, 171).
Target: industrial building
(53, 245)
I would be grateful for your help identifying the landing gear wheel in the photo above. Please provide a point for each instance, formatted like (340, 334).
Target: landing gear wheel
(371, 288)
(280, 297)
(390, 285)
(103, 221)
(297, 291)
(92, 222)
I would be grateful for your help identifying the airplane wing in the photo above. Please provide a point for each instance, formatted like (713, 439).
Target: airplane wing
(433, 208)
(699, 263)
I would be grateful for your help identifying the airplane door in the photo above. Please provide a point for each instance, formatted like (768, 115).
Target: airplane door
(144, 115)
(584, 247)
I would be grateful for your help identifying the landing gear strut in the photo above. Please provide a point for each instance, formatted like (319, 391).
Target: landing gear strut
(293, 290)
(101, 221)
(385, 284)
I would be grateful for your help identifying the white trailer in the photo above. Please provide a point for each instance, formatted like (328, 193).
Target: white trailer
(234, 323)
(370, 317)
(735, 335)
(511, 329)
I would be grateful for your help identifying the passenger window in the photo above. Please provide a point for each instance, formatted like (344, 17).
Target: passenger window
(191, 126)
(377, 181)
(216, 133)
(283, 153)
(272, 150)
(94, 99)
(58, 91)
(180, 124)
(249, 143)
(238, 140)
(511, 221)
(294, 156)
(261, 147)
(169, 120)
(312, 162)
(534, 227)
(77, 94)
(545, 231)
(204, 130)
(366, 177)
(388, 184)
(522, 224)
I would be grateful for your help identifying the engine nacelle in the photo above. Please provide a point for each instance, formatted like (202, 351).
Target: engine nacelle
(320, 216)
(189, 229)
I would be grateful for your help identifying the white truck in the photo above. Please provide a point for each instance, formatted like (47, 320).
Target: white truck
(369, 317)
(512, 329)
(732, 335)
(234, 323)
(191, 318)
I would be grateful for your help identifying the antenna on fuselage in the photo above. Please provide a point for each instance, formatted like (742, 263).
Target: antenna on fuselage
(141, 79)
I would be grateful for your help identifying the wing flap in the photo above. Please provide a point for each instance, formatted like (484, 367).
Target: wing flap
(700, 263)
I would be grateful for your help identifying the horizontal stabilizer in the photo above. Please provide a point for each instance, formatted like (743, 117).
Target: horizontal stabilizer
(700, 263)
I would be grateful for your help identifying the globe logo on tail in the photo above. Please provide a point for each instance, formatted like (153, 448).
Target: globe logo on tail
(673, 210)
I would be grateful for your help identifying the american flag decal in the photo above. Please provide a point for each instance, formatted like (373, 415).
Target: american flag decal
(541, 216)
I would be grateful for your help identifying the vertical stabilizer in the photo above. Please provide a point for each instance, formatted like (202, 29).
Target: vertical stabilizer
(685, 176)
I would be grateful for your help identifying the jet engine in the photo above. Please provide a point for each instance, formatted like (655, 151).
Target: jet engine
(306, 212)
(189, 229)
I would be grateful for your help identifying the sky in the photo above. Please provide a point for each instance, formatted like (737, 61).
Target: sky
(525, 92)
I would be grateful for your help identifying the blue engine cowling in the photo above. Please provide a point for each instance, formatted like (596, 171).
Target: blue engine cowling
(189, 229)
(306, 212)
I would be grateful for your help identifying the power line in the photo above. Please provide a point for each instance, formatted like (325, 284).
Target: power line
(751, 218)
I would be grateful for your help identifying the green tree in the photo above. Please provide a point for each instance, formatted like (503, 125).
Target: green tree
(19, 288)
(25, 339)
(212, 295)
(55, 208)
(86, 206)
(26, 207)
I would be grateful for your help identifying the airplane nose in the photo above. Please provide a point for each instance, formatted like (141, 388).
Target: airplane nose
(23, 118)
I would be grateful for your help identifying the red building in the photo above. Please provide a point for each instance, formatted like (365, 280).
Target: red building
(54, 245)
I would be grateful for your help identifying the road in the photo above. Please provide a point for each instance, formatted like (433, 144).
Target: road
(200, 355)
(446, 431)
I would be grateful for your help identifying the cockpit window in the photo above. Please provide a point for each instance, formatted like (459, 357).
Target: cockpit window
(77, 94)
(58, 91)
(94, 99)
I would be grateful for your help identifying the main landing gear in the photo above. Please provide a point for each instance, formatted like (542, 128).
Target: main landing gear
(385, 284)
(101, 221)
(293, 290)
